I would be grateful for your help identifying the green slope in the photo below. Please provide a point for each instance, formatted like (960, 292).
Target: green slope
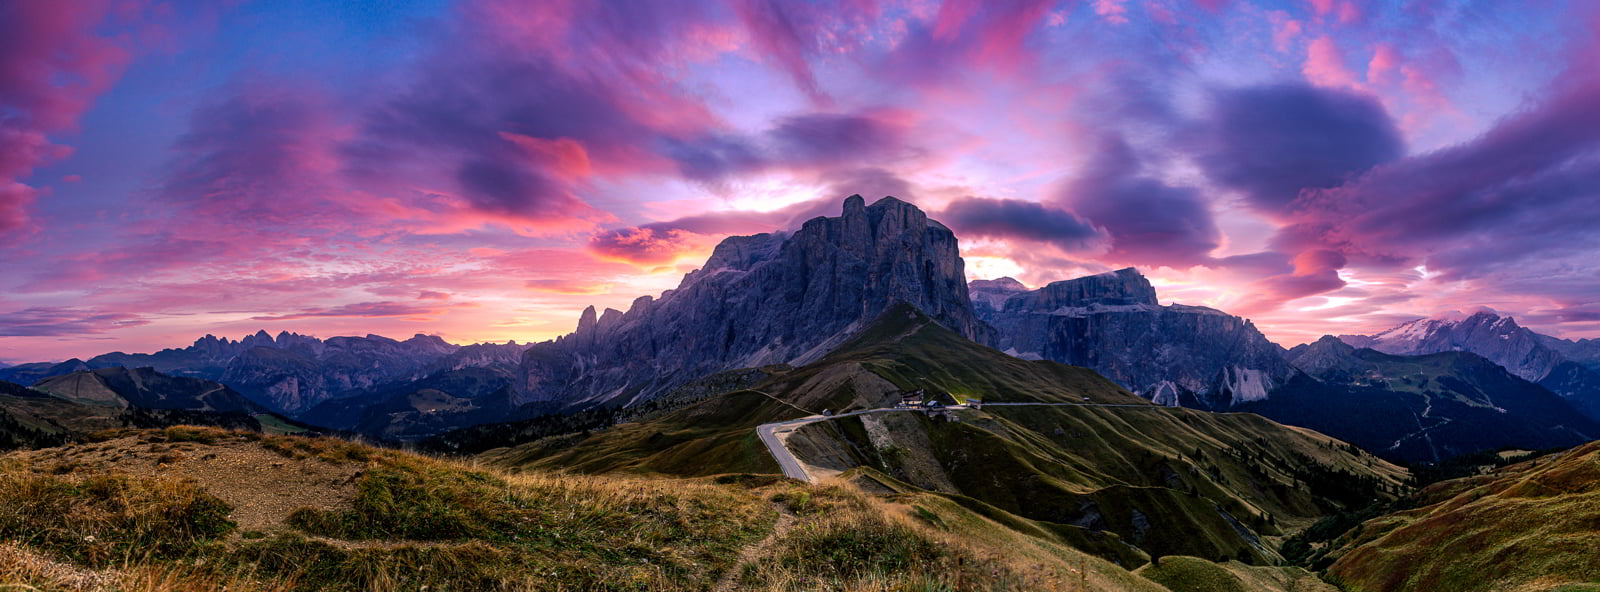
(1168, 481)
(1530, 526)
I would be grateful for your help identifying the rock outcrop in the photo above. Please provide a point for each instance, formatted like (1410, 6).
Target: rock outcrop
(1112, 323)
(761, 299)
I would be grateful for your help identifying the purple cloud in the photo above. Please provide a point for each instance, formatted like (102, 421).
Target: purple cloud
(1518, 199)
(45, 321)
(1148, 221)
(362, 309)
(1018, 219)
(1270, 142)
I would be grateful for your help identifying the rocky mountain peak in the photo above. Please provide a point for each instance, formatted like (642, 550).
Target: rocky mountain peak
(786, 297)
(260, 339)
(1001, 284)
(1124, 287)
(587, 320)
(992, 294)
(1322, 355)
(1498, 338)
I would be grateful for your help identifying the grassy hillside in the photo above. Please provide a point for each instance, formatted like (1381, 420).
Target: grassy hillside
(189, 508)
(70, 407)
(1122, 481)
(1531, 526)
(1192, 574)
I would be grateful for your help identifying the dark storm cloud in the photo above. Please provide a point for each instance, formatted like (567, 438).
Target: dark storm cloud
(1018, 219)
(1270, 142)
(1149, 222)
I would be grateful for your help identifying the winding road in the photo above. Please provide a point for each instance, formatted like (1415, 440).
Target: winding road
(772, 434)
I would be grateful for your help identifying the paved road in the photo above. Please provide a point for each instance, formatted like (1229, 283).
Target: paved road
(794, 469)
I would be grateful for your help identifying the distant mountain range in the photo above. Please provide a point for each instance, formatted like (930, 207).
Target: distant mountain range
(1568, 368)
(70, 406)
(293, 373)
(791, 298)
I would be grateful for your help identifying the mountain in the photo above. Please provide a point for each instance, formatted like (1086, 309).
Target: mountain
(1582, 351)
(1420, 408)
(32, 372)
(1112, 323)
(763, 299)
(1536, 358)
(1127, 481)
(293, 373)
(412, 410)
(1529, 526)
(61, 408)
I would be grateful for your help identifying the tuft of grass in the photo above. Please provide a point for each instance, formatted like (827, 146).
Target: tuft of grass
(200, 434)
(331, 450)
(847, 541)
(97, 519)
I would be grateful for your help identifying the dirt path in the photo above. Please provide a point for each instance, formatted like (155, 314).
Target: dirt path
(754, 552)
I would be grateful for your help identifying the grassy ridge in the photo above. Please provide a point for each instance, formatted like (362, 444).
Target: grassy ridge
(1531, 526)
(412, 522)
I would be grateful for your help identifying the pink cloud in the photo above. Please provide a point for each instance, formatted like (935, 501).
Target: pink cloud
(52, 66)
(362, 309)
(1322, 7)
(1325, 65)
(1385, 62)
(567, 287)
(1113, 11)
(63, 321)
(644, 245)
(1285, 30)
(1350, 13)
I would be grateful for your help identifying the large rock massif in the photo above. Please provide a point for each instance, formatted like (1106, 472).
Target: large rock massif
(1113, 324)
(762, 299)
(1565, 367)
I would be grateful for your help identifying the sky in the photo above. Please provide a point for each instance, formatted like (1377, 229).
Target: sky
(482, 170)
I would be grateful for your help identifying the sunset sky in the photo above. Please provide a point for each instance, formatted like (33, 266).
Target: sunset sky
(484, 169)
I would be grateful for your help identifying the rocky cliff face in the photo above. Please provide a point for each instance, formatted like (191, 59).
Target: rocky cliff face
(1529, 355)
(1113, 324)
(762, 299)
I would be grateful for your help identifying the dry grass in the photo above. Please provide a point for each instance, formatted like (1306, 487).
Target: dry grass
(412, 522)
(1529, 526)
(851, 542)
